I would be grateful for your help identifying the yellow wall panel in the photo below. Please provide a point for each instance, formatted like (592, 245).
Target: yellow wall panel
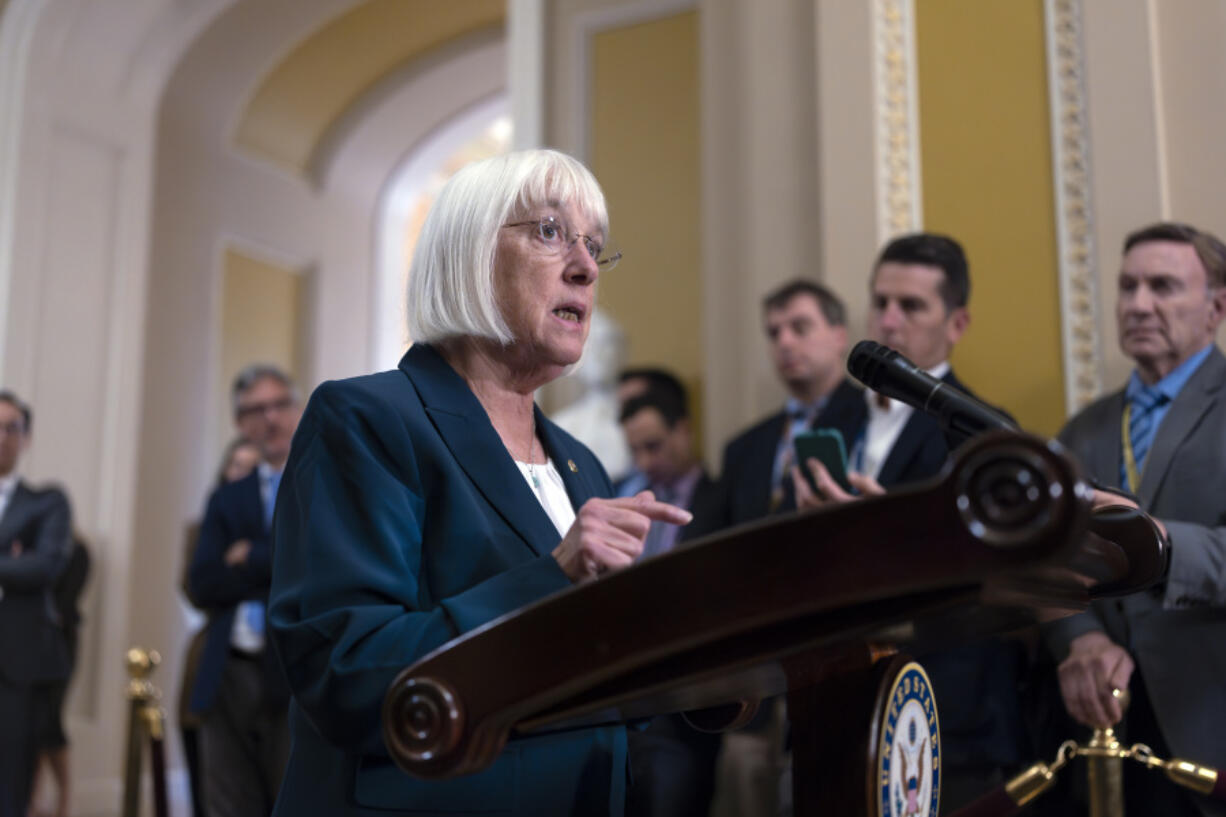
(260, 321)
(985, 143)
(645, 153)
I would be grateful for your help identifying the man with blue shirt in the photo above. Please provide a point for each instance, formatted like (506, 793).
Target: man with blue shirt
(239, 691)
(1162, 438)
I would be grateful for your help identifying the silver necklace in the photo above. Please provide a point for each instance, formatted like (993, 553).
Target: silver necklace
(532, 475)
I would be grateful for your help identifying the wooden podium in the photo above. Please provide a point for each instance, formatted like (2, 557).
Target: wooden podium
(817, 605)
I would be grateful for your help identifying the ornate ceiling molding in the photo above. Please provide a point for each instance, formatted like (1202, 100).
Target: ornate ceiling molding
(1078, 264)
(899, 205)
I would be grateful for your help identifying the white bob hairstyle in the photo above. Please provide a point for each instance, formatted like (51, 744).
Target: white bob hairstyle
(451, 281)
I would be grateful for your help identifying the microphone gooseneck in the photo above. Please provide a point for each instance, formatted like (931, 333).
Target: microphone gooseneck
(887, 372)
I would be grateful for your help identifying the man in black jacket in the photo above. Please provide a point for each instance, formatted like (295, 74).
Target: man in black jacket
(806, 328)
(35, 543)
(920, 288)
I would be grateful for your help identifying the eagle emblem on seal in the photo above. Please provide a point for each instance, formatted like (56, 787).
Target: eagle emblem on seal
(909, 749)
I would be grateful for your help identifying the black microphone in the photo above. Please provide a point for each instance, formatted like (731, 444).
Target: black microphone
(887, 372)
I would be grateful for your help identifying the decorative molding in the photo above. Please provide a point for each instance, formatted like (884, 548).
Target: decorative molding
(17, 23)
(526, 38)
(899, 205)
(1078, 264)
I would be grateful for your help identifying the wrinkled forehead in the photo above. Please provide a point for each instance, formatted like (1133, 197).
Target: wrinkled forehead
(1163, 258)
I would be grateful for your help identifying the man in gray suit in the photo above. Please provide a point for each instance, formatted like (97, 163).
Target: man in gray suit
(35, 542)
(1162, 438)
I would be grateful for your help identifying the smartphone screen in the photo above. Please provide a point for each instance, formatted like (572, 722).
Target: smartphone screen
(826, 446)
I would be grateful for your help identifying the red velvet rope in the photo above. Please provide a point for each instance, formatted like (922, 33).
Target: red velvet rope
(993, 804)
(1219, 788)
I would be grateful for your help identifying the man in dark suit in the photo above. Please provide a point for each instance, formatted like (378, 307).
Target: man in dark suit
(661, 440)
(635, 382)
(1161, 438)
(806, 328)
(239, 692)
(919, 291)
(920, 288)
(35, 543)
(672, 765)
(805, 325)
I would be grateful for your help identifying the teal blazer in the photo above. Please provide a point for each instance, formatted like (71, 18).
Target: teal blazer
(401, 523)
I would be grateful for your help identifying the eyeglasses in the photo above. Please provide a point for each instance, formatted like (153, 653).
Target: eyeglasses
(253, 409)
(14, 429)
(555, 239)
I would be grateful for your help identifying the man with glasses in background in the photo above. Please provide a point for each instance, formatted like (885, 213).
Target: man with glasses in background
(239, 691)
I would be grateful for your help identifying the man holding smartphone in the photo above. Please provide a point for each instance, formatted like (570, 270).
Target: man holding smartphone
(919, 288)
(806, 330)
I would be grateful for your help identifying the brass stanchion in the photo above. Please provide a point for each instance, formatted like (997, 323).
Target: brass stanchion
(145, 720)
(1105, 768)
(1104, 755)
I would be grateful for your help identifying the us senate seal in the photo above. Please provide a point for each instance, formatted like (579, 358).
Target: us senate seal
(909, 749)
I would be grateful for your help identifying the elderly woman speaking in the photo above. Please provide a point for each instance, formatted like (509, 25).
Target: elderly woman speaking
(421, 503)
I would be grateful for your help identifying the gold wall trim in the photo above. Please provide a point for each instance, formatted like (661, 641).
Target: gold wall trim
(899, 203)
(1071, 167)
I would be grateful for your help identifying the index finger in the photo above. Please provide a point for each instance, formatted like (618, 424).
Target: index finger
(644, 502)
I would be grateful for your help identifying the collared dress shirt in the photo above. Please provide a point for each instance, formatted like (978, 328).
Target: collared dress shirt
(886, 420)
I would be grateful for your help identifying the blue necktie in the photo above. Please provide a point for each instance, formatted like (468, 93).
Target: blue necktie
(253, 611)
(1141, 422)
(274, 482)
(253, 614)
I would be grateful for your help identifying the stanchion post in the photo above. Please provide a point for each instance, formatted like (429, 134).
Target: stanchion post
(140, 692)
(154, 718)
(1105, 774)
(1105, 767)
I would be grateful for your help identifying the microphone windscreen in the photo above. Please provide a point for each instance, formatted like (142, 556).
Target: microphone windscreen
(865, 360)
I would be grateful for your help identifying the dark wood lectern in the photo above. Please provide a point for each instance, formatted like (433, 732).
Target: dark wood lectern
(804, 604)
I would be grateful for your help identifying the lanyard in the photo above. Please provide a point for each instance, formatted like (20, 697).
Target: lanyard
(1130, 460)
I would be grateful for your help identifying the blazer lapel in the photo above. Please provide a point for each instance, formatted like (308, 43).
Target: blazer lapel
(253, 502)
(845, 412)
(13, 514)
(1195, 400)
(760, 464)
(919, 426)
(581, 483)
(467, 432)
(1104, 457)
